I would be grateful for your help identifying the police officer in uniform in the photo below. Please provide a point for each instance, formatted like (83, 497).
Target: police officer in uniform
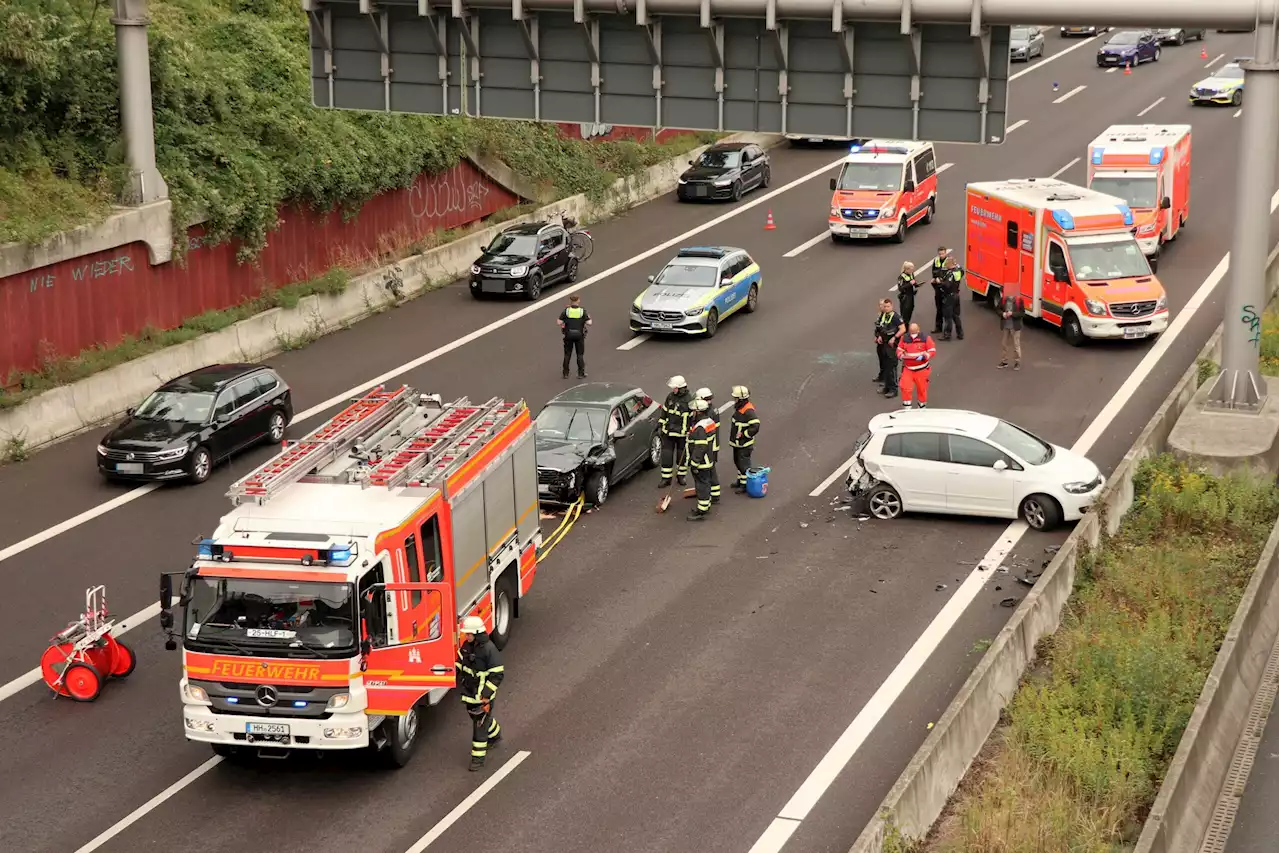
(701, 459)
(673, 426)
(706, 395)
(480, 672)
(938, 271)
(907, 287)
(889, 330)
(743, 428)
(951, 308)
(573, 322)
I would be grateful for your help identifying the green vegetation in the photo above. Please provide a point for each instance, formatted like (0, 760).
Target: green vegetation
(1268, 343)
(1091, 733)
(61, 371)
(236, 134)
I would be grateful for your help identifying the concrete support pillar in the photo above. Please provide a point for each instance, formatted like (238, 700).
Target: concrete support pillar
(145, 182)
(1239, 386)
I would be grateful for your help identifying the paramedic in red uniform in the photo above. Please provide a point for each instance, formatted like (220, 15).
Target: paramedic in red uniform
(916, 350)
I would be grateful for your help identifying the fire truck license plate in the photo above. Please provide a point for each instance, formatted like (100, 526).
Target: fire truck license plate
(269, 729)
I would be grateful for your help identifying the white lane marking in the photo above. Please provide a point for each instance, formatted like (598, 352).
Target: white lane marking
(1214, 61)
(1042, 63)
(1064, 168)
(842, 752)
(150, 805)
(1111, 70)
(75, 521)
(1077, 90)
(1017, 124)
(434, 833)
(1236, 114)
(807, 244)
(634, 342)
(1155, 104)
(813, 241)
(89, 515)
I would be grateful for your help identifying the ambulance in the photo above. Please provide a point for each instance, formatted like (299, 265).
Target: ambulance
(1068, 251)
(885, 187)
(323, 612)
(1149, 166)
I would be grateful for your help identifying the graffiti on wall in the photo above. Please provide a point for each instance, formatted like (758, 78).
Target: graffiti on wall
(452, 192)
(1249, 316)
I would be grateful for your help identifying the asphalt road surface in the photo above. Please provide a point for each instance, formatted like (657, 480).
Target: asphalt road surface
(1256, 827)
(672, 684)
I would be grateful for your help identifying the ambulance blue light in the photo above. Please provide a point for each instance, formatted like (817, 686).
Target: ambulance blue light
(1064, 220)
(299, 704)
(1157, 156)
(1126, 212)
(232, 700)
(854, 149)
(1095, 157)
(204, 549)
(340, 556)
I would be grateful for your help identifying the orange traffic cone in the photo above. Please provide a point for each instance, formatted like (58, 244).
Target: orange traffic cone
(1128, 68)
(1204, 54)
(768, 223)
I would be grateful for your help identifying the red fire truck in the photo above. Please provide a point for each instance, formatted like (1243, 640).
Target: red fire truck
(323, 611)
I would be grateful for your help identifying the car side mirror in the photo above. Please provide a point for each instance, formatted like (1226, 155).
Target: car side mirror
(651, 278)
(725, 282)
(1000, 465)
(833, 184)
(691, 163)
(618, 434)
(1061, 275)
(128, 413)
(166, 593)
(1166, 203)
(909, 187)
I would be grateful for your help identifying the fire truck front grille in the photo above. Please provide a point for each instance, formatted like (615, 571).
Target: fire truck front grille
(238, 699)
(1129, 310)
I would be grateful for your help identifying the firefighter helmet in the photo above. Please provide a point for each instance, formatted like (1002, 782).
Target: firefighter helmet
(740, 392)
(473, 625)
(705, 394)
(698, 404)
(676, 382)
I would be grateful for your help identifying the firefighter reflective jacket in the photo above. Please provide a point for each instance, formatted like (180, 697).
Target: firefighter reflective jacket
(744, 426)
(700, 447)
(714, 416)
(676, 414)
(479, 670)
(916, 352)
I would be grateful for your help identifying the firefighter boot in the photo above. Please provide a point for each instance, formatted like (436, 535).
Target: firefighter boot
(697, 515)
(477, 763)
(664, 482)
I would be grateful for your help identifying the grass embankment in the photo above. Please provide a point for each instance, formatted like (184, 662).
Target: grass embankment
(1090, 733)
(236, 138)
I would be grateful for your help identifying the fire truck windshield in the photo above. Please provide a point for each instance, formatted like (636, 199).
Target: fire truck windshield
(1137, 192)
(239, 616)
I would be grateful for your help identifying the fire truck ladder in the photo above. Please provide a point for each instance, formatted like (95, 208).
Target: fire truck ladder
(420, 449)
(339, 435)
(448, 460)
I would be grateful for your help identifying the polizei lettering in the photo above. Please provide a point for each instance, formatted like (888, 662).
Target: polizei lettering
(260, 671)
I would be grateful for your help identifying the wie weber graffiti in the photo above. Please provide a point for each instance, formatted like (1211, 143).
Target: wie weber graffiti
(454, 192)
(85, 272)
(1249, 316)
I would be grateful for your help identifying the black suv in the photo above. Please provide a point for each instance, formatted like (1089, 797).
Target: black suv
(727, 170)
(523, 259)
(189, 424)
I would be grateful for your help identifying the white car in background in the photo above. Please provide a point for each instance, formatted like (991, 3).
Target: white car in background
(965, 463)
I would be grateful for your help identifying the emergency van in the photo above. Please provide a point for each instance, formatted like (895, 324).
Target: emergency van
(885, 187)
(323, 612)
(1149, 166)
(1068, 251)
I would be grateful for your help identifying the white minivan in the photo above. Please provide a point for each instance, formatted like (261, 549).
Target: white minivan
(965, 463)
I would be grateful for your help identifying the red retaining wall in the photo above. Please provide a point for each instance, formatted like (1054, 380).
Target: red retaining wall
(99, 299)
(614, 133)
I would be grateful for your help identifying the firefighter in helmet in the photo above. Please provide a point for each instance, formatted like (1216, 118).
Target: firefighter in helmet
(479, 673)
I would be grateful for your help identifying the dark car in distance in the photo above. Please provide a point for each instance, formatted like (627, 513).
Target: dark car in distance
(726, 170)
(593, 436)
(524, 259)
(189, 424)
(1129, 47)
(1081, 31)
(1179, 35)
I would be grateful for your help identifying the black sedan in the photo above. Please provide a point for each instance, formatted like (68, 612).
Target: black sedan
(727, 170)
(592, 436)
(523, 259)
(191, 423)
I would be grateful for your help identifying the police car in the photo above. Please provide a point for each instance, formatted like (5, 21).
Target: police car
(696, 291)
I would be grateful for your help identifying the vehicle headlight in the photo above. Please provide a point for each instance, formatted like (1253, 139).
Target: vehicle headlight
(475, 270)
(1080, 488)
(170, 455)
(724, 182)
(694, 312)
(1149, 228)
(572, 479)
(344, 733)
(102, 450)
(888, 210)
(519, 272)
(339, 700)
(635, 306)
(199, 725)
(681, 181)
(835, 211)
(194, 693)
(1095, 307)
(1162, 303)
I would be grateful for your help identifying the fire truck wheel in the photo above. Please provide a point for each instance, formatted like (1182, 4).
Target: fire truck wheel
(1071, 330)
(993, 298)
(928, 214)
(402, 738)
(83, 682)
(504, 611)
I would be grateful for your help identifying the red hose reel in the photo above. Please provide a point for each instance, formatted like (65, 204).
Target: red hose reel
(82, 656)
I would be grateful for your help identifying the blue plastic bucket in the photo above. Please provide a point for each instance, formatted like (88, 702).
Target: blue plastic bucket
(758, 482)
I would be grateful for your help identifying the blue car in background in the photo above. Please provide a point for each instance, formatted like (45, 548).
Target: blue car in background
(1129, 47)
